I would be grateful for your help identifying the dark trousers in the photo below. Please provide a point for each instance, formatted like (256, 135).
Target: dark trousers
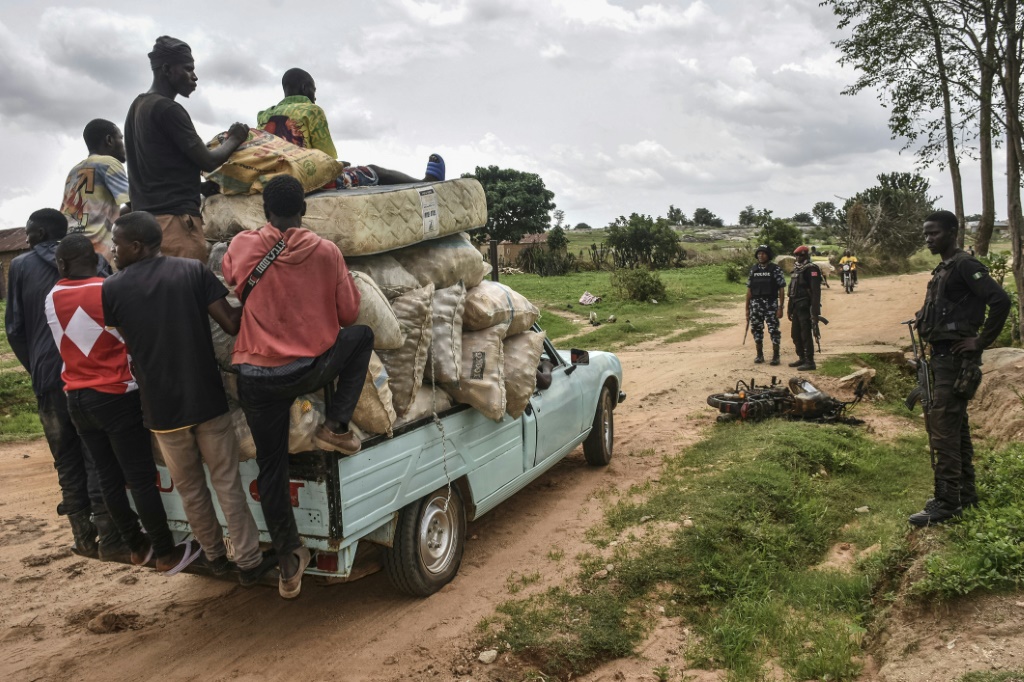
(950, 434)
(802, 330)
(111, 427)
(267, 401)
(76, 473)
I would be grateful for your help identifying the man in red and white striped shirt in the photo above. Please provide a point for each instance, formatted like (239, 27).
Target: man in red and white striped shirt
(103, 401)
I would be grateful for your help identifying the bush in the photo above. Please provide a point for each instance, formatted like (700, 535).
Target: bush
(639, 284)
(540, 261)
(734, 273)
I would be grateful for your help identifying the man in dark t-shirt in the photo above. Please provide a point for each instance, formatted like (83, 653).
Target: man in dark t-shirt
(160, 305)
(166, 155)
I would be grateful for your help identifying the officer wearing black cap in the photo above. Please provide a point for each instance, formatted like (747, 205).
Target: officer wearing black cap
(804, 307)
(950, 321)
(766, 294)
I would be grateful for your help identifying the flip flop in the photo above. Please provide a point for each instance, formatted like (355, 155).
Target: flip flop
(435, 167)
(192, 552)
(149, 557)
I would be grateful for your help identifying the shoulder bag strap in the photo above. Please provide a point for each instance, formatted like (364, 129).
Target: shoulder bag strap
(261, 267)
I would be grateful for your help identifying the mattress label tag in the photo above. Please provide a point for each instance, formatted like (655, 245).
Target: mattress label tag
(428, 205)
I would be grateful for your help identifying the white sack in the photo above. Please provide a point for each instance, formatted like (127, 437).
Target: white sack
(428, 401)
(491, 303)
(376, 313)
(405, 365)
(443, 262)
(522, 355)
(374, 412)
(482, 380)
(386, 272)
(444, 360)
(304, 417)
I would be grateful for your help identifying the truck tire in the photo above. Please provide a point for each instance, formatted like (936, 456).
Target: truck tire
(597, 448)
(429, 542)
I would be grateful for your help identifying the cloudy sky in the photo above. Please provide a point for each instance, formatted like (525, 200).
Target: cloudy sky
(619, 105)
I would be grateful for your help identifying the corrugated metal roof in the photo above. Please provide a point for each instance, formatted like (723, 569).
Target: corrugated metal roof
(13, 239)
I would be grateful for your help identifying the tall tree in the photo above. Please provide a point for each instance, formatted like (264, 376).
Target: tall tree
(825, 213)
(518, 203)
(887, 218)
(1010, 82)
(676, 217)
(704, 217)
(747, 216)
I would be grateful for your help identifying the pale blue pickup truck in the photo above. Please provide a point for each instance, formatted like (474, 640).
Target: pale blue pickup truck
(408, 498)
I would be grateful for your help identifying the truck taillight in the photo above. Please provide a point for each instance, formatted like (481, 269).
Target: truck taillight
(327, 561)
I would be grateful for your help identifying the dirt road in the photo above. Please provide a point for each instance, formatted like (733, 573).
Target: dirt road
(69, 619)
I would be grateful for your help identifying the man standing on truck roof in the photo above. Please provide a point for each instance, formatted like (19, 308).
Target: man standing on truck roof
(97, 187)
(103, 402)
(162, 306)
(165, 154)
(32, 275)
(299, 120)
(298, 299)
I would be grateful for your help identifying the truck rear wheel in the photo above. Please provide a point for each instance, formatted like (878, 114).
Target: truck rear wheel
(597, 448)
(429, 542)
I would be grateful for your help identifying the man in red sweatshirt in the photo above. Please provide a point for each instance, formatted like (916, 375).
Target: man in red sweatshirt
(298, 302)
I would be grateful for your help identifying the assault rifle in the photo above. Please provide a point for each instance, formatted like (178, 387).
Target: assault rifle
(817, 332)
(923, 391)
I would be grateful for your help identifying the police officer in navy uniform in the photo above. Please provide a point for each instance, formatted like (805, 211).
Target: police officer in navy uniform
(950, 321)
(766, 294)
(804, 307)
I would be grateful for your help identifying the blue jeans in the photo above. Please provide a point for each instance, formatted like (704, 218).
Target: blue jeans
(111, 427)
(76, 472)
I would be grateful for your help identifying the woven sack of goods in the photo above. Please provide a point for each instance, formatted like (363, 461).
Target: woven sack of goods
(375, 411)
(492, 303)
(405, 365)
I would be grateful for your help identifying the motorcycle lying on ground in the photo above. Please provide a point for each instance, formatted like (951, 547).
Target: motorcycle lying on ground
(848, 278)
(799, 400)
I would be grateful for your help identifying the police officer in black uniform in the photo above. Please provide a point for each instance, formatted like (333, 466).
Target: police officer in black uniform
(804, 307)
(953, 314)
(765, 284)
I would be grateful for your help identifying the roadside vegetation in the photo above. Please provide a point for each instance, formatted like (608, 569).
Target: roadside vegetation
(736, 539)
(689, 294)
(18, 418)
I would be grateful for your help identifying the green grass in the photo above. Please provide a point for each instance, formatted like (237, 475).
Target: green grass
(690, 292)
(767, 501)
(18, 417)
(889, 388)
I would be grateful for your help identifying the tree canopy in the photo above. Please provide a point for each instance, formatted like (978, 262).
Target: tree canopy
(643, 240)
(888, 217)
(706, 218)
(779, 234)
(518, 203)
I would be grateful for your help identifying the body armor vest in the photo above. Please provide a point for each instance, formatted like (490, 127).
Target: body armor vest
(798, 290)
(762, 281)
(942, 319)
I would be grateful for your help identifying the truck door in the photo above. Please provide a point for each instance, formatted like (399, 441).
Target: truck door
(558, 408)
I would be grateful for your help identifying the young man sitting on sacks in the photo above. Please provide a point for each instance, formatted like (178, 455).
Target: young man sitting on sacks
(299, 120)
(298, 299)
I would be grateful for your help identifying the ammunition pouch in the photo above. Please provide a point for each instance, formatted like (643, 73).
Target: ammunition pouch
(968, 379)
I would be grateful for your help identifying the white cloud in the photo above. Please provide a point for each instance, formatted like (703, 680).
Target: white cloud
(552, 51)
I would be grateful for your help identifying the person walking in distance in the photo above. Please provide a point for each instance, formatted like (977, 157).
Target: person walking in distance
(804, 307)
(953, 324)
(766, 296)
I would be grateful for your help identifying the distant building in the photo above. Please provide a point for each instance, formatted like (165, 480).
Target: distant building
(508, 252)
(13, 242)
(998, 226)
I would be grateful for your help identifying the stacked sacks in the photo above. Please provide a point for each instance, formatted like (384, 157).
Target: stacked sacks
(443, 334)
(494, 313)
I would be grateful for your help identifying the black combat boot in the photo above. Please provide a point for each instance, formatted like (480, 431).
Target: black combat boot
(112, 546)
(945, 506)
(759, 360)
(807, 365)
(796, 363)
(775, 355)
(84, 533)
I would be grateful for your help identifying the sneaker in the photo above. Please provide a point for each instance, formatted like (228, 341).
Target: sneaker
(289, 588)
(252, 576)
(346, 443)
(218, 566)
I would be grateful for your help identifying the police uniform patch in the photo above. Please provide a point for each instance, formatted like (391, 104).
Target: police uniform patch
(979, 275)
(814, 273)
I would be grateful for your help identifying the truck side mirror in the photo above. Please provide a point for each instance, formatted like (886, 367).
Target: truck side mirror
(579, 357)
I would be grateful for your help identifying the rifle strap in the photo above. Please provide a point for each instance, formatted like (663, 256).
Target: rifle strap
(260, 269)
